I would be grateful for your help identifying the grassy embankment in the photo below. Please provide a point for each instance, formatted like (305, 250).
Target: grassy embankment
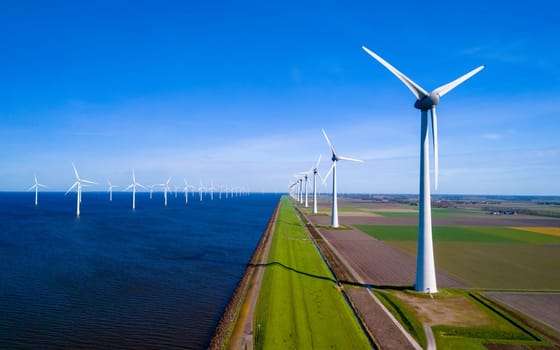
(300, 306)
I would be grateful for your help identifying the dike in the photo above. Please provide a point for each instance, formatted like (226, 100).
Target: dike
(231, 328)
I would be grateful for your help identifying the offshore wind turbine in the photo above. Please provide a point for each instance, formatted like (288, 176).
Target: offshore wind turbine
(151, 187)
(78, 185)
(111, 186)
(200, 189)
(133, 185)
(166, 189)
(186, 190)
(36, 186)
(425, 265)
(335, 158)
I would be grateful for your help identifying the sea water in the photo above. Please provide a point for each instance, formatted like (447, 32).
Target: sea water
(153, 278)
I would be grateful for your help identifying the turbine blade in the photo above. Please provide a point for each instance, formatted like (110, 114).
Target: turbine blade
(318, 161)
(328, 173)
(40, 185)
(320, 177)
(89, 182)
(140, 185)
(128, 187)
(30, 188)
(75, 171)
(435, 140)
(329, 142)
(350, 159)
(415, 88)
(444, 89)
(71, 187)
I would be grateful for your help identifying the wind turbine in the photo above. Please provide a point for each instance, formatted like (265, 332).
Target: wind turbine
(151, 190)
(111, 186)
(186, 190)
(335, 158)
(166, 189)
(133, 185)
(315, 172)
(36, 186)
(200, 188)
(425, 266)
(78, 184)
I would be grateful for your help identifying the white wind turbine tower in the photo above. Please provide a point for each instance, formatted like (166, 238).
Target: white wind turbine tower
(200, 189)
(36, 186)
(306, 177)
(186, 190)
(111, 186)
(211, 188)
(151, 187)
(315, 172)
(335, 158)
(133, 185)
(78, 184)
(166, 189)
(300, 190)
(425, 265)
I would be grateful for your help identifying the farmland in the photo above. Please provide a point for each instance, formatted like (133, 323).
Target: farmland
(485, 257)
(482, 259)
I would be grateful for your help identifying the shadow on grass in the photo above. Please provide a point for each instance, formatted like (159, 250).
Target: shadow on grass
(276, 263)
(350, 283)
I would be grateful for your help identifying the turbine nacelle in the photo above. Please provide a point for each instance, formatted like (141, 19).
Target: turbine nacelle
(427, 102)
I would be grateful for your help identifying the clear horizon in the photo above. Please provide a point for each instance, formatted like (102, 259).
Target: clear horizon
(237, 93)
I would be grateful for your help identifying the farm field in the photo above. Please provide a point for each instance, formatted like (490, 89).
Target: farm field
(300, 306)
(485, 257)
(543, 307)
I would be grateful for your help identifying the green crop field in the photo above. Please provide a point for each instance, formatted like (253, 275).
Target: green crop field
(486, 257)
(299, 306)
(474, 234)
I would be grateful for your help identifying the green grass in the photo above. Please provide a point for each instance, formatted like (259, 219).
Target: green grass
(299, 306)
(501, 328)
(474, 234)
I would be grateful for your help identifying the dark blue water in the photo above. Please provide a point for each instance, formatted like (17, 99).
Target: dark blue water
(152, 278)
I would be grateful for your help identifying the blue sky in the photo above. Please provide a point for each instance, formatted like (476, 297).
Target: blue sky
(237, 92)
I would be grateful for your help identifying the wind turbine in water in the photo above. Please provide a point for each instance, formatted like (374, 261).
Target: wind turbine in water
(133, 185)
(425, 265)
(186, 190)
(166, 189)
(78, 185)
(111, 186)
(36, 186)
(335, 158)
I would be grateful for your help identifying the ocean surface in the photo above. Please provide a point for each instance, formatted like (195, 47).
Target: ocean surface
(154, 278)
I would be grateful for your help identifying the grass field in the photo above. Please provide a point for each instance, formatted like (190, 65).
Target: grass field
(299, 306)
(459, 320)
(486, 257)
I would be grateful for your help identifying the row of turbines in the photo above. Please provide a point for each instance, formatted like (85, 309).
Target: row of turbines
(228, 191)
(425, 265)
